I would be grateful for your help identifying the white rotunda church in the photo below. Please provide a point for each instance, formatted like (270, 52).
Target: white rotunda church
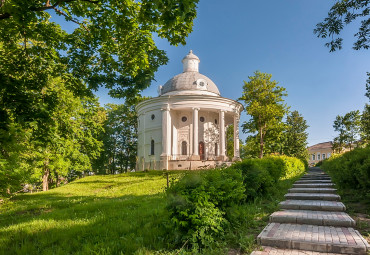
(185, 126)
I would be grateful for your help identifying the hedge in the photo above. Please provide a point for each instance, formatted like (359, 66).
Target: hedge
(198, 202)
(350, 169)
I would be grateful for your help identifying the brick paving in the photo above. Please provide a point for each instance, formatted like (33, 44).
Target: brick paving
(316, 205)
(312, 196)
(322, 218)
(313, 185)
(266, 250)
(313, 181)
(310, 222)
(313, 190)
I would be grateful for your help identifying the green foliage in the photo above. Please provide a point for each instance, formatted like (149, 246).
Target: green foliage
(295, 142)
(119, 139)
(230, 141)
(197, 204)
(108, 42)
(350, 169)
(342, 13)
(365, 124)
(201, 203)
(263, 101)
(348, 127)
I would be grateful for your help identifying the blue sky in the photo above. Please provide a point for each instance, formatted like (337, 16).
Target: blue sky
(234, 38)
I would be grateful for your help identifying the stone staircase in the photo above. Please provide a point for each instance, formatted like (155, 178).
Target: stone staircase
(312, 221)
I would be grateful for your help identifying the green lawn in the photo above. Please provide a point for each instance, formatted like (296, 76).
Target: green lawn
(114, 214)
(94, 215)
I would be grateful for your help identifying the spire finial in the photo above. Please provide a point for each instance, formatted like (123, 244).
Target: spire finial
(191, 52)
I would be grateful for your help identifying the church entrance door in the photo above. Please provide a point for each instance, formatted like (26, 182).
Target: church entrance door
(201, 150)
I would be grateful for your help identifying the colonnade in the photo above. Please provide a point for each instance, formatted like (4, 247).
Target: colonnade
(166, 134)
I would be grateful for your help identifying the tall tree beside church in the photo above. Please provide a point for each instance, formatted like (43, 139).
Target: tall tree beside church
(119, 139)
(296, 136)
(65, 138)
(264, 102)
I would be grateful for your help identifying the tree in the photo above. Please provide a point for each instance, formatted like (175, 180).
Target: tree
(230, 141)
(119, 139)
(296, 136)
(264, 102)
(365, 117)
(111, 44)
(59, 138)
(365, 124)
(348, 127)
(342, 13)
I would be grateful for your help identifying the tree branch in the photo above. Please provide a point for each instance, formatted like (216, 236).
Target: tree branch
(70, 18)
(48, 6)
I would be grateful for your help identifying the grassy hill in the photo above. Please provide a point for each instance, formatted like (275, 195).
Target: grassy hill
(94, 215)
(114, 214)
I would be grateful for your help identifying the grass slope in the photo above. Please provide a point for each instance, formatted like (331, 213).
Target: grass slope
(93, 215)
(115, 214)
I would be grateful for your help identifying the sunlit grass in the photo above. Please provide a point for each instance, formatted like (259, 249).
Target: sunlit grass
(97, 214)
(115, 214)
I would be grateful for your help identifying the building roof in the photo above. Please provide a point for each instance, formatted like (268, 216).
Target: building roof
(326, 145)
(190, 81)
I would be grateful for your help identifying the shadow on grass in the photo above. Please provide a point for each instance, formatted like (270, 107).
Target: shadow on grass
(100, 225)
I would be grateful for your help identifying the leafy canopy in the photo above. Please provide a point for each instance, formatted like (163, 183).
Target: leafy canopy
(342, 13)
(111, 45)
(264, 102)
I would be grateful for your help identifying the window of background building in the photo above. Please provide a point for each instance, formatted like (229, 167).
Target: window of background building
(323, 156)
(313, 156)
(318, 156)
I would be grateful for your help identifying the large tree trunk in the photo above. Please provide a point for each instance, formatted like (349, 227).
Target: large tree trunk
(45, 177)
(261, 143)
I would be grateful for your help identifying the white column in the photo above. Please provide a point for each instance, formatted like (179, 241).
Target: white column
(195, 132)
(222, 133)
(166, 131)
(236, 137)
(174, 141)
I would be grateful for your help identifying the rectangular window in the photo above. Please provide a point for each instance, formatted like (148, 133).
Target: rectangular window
(318, 156)
(323, 156)
(313, 156)
(329, 155)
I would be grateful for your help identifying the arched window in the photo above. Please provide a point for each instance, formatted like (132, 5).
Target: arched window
(184, 148)
(216, 149)
(152, 147)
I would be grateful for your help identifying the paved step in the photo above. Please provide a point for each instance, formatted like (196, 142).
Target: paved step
(313, 190)
(313, 238)
(315, 178)
(313, 205)
(312, 196)
(313, 185)
(313, 181)
(266, 250)
(322, 218)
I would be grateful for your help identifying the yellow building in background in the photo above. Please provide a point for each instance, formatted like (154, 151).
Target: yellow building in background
(319, 152)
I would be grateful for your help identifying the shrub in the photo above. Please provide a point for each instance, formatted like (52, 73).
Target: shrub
(350, 169)
(200, 202)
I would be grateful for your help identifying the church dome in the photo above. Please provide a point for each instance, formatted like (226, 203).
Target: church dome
(190, 81)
